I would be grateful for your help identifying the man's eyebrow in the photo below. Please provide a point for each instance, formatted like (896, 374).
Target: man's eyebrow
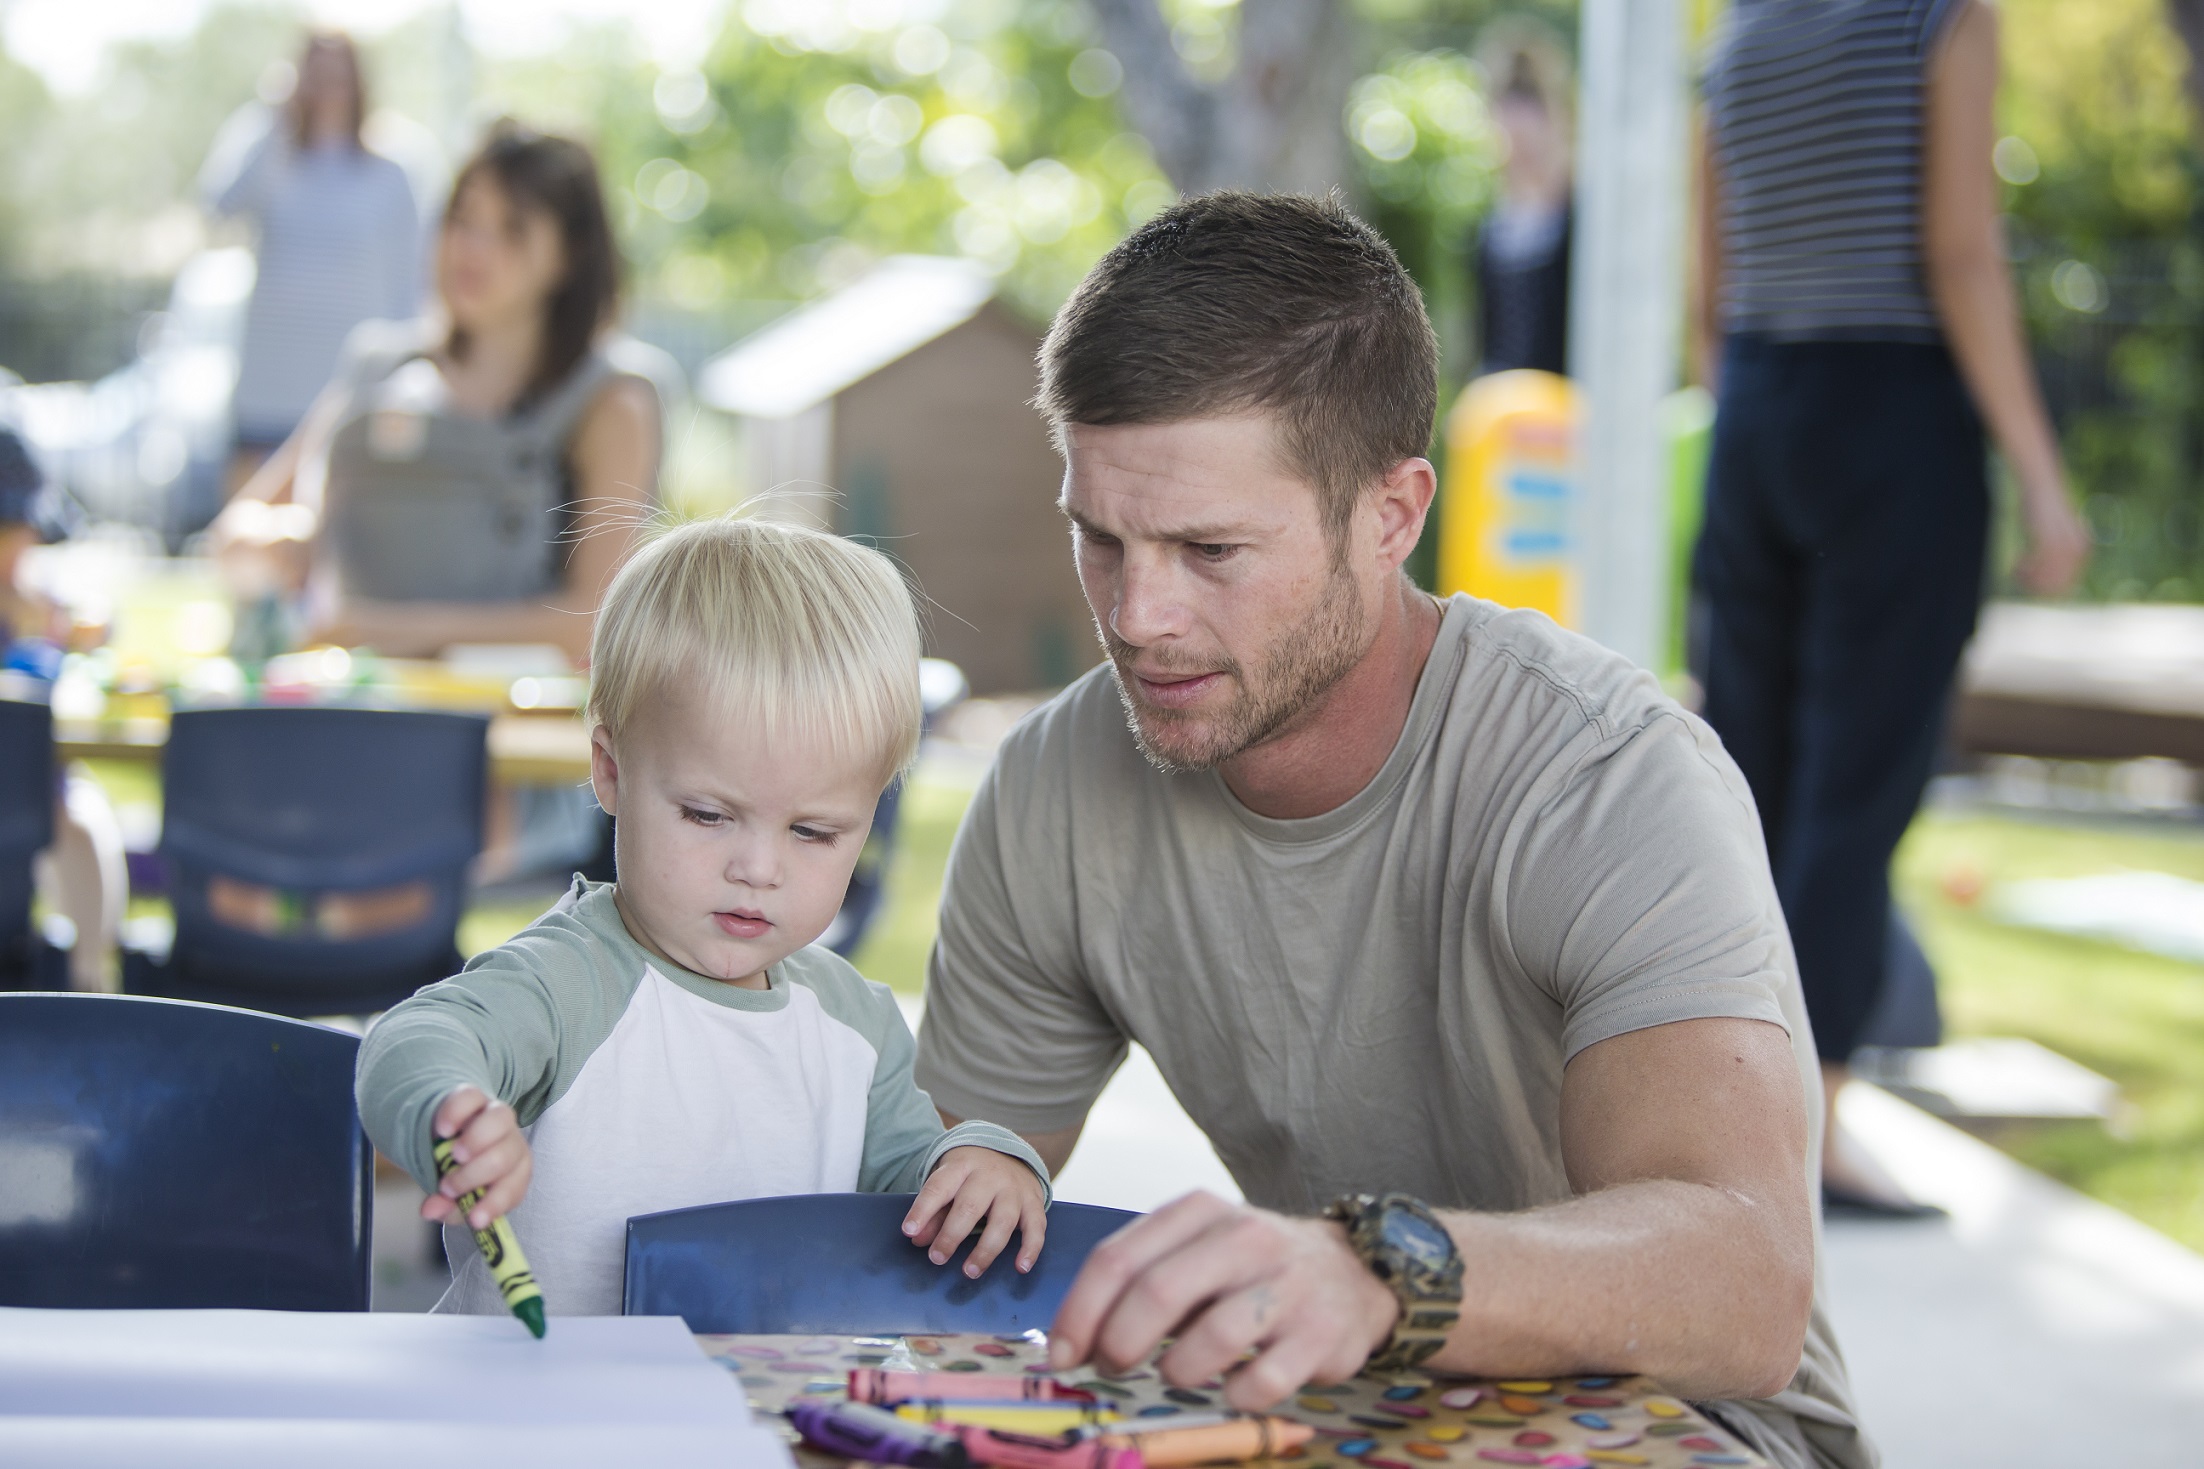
(1196, 535)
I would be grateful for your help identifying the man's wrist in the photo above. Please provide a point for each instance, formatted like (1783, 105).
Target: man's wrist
(1381, 1309)
(1404, 1244)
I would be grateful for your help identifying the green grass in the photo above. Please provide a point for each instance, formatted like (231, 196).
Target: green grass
(488, 923)
(895, 951)
(2136, 1018)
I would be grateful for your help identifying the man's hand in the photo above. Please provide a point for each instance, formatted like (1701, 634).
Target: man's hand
(1226, 1279)
(492, 1156)
(971, 1184)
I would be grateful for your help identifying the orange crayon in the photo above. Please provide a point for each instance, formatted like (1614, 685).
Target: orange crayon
(1231, 1441)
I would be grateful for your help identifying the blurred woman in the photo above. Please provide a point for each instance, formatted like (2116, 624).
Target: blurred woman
(339, 238)
(1853, 273)
(1521, 259)
(477, 476)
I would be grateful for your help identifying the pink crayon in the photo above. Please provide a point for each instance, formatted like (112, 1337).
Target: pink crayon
(879, 1385)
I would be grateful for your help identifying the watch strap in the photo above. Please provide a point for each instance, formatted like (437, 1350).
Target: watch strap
(1430, 1297)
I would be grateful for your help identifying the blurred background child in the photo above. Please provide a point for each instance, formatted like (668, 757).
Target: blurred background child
(82, 876)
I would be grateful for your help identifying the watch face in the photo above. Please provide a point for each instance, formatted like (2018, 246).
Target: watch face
(1420, 1240)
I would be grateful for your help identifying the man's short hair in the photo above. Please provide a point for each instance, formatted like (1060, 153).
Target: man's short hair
(1231, 302)
(812, 635)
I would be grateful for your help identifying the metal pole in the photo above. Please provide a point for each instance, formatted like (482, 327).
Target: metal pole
(1625, 290)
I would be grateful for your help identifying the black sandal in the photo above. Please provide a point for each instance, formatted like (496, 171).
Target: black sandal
(1839, 1202)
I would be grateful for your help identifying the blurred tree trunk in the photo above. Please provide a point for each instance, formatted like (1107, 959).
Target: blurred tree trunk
(1273, 124)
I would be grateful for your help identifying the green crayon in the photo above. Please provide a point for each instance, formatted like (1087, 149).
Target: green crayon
(500, 1251)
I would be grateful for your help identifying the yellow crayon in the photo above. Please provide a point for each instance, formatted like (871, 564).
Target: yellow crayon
(1039, 1420)
(500, 1251)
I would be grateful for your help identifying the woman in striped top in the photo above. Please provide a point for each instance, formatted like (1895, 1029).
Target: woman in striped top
(1853, 273)
(339, 239)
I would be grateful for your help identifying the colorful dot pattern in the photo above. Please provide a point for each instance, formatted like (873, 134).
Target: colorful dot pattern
(1405, 1421)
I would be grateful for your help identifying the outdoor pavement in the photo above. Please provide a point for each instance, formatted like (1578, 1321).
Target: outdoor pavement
(2033, 1328)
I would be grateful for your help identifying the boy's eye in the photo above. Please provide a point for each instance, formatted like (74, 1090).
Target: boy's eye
(701, 816)
(817, 835)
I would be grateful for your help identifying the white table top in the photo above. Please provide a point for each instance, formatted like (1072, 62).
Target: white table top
(239, 1387)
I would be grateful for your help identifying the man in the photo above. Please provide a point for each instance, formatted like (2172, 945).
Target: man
(1439, 921)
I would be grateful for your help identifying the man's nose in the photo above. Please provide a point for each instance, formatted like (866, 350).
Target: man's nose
(1150, 602)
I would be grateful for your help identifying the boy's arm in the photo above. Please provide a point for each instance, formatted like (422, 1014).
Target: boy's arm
(904, 1137)
(493, 1026)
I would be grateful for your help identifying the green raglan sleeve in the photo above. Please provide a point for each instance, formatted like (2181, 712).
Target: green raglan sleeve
(904, 1137)
(517, 1022)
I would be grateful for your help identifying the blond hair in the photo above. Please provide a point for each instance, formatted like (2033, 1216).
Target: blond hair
(815, 636)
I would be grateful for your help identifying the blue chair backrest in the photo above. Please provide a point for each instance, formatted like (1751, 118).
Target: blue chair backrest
(157, 1153)
(26, 817)
(840, 1263)
(312, 801)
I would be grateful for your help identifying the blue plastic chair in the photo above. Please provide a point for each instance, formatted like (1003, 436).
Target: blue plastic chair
(839, 1263)
(26, 829)
(155, 1153)
(307, 802)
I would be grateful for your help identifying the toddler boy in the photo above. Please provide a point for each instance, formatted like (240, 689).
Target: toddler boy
(669, 1039)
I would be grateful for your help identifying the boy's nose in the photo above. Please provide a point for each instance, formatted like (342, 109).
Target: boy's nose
(754, 865)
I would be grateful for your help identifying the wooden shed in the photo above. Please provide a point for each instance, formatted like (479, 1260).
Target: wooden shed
(895, 411)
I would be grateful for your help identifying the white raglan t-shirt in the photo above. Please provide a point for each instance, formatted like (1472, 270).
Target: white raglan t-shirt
(643, 1087)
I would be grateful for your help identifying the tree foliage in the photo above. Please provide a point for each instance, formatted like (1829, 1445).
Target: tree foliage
(815, 138)
(2099, 158)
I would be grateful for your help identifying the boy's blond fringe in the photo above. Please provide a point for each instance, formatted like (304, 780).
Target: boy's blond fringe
(797, 632)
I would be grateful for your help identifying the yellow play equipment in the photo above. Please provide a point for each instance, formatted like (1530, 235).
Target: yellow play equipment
(1507, 530)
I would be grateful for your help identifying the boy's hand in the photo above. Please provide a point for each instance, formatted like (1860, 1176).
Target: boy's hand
(492, 1155)
(970, 1184)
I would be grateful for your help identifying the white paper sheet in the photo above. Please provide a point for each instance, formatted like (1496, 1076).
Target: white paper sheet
(338, 1443)
(191, 1387)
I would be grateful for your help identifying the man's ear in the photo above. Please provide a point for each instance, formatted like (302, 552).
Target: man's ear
(604, 770)
(1403, 501)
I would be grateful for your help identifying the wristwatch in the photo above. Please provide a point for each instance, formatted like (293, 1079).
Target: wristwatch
(1404, 1245)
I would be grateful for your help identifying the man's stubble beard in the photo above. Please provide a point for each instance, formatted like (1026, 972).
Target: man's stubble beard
(1297, 670)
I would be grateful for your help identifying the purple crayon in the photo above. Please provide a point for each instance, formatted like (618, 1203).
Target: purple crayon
(861, 1431)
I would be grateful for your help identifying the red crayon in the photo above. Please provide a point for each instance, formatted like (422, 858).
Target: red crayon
(1019, 1451)
(878, 1385)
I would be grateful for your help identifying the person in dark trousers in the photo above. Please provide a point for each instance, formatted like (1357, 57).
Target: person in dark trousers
(1852, 278)
(1521, 256)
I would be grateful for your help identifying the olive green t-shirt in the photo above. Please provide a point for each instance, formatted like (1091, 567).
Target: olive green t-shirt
(1383, 996)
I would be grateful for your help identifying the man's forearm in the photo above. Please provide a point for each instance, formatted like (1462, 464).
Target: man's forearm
(1704, 1288)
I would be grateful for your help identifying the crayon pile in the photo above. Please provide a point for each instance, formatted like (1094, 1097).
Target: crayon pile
(995, 1400)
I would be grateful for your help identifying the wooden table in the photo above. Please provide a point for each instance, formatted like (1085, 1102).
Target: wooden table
(525, 749)
(1406, 1421)
(2116, 682)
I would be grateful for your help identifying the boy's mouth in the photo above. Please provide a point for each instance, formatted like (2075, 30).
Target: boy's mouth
(743, 923)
